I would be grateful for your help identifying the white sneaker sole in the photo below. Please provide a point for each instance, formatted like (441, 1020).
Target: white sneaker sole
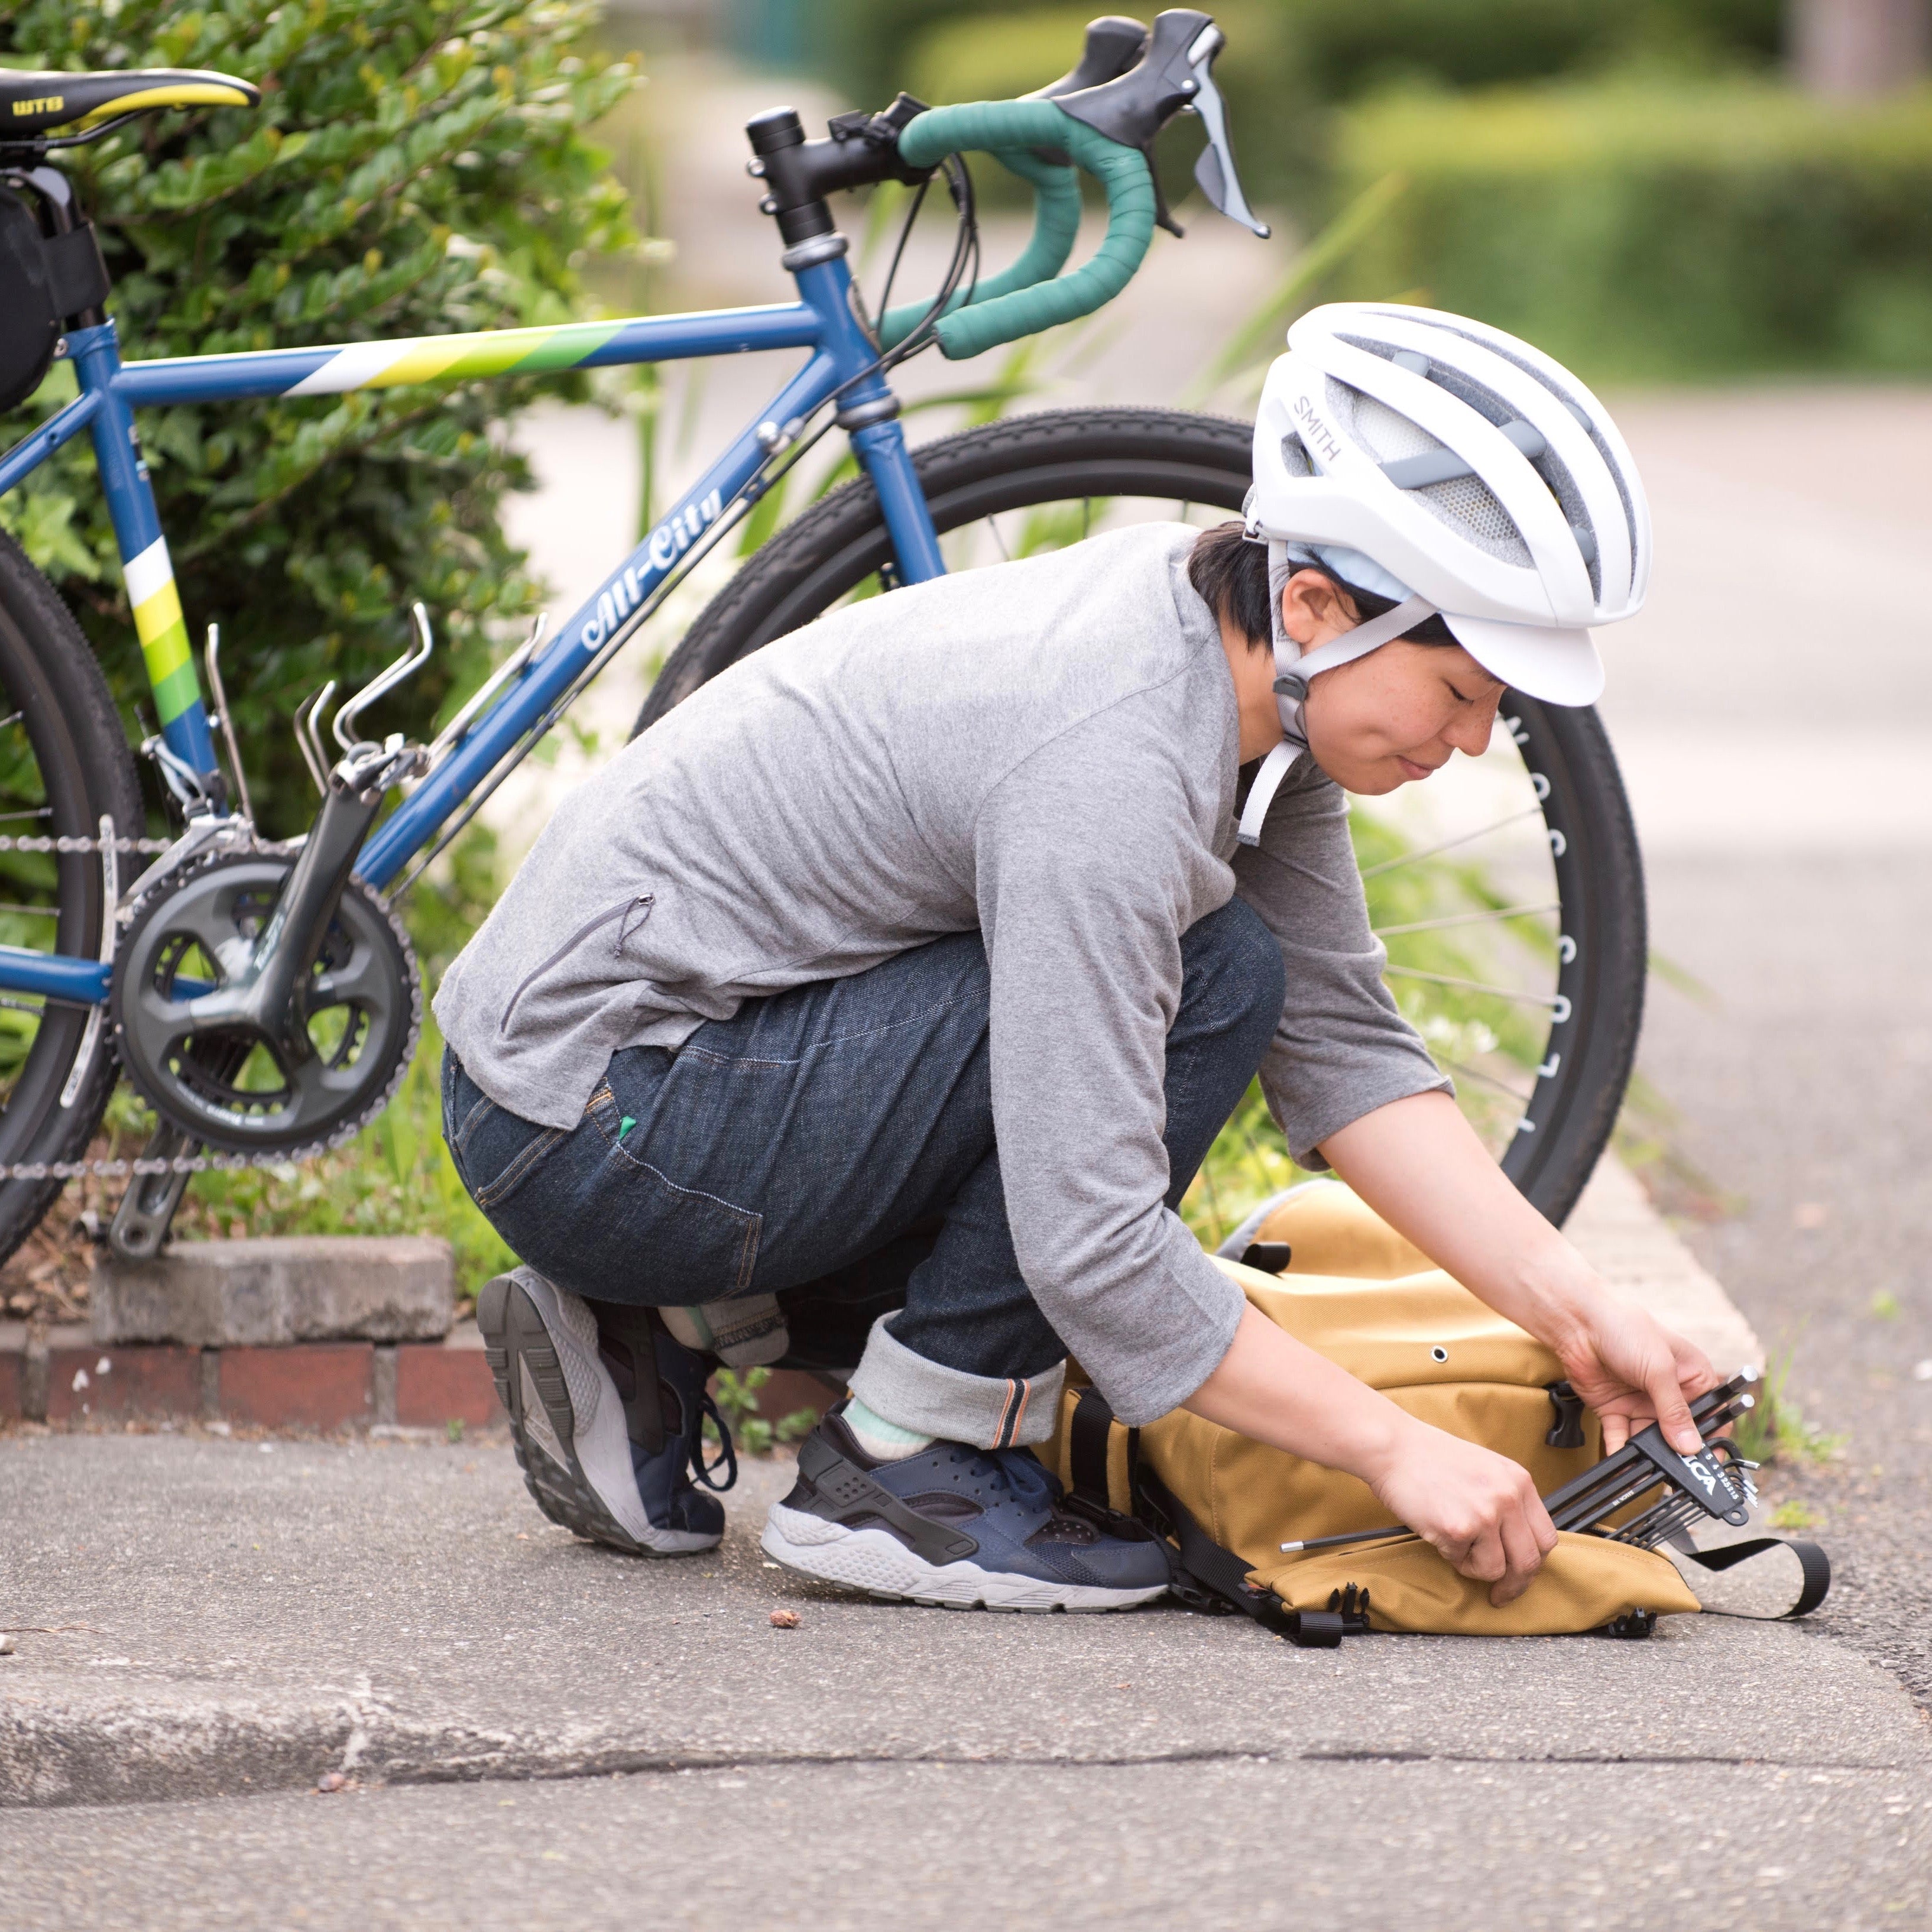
(589, 1485)
(877, 1561)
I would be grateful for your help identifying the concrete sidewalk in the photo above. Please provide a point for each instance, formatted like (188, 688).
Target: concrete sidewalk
(530, 1724)
(257, 1621)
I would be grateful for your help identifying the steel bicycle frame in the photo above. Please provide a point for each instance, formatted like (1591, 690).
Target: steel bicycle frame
(824, 320)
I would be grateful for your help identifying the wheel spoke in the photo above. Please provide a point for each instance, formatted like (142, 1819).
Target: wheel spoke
(1488, 1080)
(32, 912)
(1450, 844)
(39, 811)
(1555, 1002)
(993, 524)
(1466, 919)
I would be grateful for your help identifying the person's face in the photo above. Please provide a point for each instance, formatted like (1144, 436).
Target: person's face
(1394, 716)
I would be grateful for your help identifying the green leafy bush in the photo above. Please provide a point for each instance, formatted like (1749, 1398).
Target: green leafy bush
(737, 1392)
(414, 169)
(1645, 231)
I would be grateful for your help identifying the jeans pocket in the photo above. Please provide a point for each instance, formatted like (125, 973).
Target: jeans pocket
(495, 1151)
(635, 1233)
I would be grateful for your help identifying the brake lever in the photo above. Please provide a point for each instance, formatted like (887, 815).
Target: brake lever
(1173, 73)
(1214, 166)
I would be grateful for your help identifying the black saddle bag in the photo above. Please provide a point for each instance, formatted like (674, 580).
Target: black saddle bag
(44, 279)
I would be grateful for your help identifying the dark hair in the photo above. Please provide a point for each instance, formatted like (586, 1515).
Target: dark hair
(1230, 573)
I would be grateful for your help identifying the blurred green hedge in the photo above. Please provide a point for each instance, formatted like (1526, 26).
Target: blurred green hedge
(1289, 64)
(1660, 231)
(1310, 51)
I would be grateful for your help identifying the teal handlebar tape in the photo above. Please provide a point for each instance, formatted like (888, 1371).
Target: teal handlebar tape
(1056, 222)
(1000, 126)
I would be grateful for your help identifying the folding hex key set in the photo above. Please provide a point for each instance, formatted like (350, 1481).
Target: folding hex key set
(1714, 1484)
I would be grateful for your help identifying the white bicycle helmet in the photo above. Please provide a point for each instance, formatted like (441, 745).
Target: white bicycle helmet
(1451, 469)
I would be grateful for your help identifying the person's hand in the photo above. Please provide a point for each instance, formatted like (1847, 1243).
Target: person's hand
(1632, 1370)
(1479, 1510)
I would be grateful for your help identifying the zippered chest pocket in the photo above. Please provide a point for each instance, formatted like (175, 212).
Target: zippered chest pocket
(627, 915)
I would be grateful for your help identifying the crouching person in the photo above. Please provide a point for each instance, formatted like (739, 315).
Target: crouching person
(872, 1012)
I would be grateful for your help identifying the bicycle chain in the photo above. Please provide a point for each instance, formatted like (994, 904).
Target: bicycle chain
(201, 1163)
(116, 1170)
(66, 844)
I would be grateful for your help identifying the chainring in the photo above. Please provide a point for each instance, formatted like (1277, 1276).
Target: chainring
(229, 1087)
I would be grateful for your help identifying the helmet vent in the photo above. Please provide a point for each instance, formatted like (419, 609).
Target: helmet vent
(1386, 434)
(1294, 456)
(1467, 505)
(1591, 428)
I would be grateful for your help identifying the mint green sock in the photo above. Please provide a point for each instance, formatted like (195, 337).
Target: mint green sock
(884, 1441)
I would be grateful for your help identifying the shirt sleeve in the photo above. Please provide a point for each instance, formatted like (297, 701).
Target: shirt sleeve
(1343, 1048)
(1087, 868)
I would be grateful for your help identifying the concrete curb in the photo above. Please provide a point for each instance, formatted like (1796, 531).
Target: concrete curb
(1635, 1249)
(267, 1293)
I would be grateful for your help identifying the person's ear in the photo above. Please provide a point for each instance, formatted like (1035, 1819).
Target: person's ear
(1313, 611)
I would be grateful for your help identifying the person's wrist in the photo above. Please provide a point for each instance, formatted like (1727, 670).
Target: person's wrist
(1564, 1298)
(1385, 1442)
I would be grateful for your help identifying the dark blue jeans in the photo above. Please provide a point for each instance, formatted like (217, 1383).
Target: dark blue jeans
(833, 1144)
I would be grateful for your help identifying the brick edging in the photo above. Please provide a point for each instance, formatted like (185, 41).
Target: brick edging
(67, 1380)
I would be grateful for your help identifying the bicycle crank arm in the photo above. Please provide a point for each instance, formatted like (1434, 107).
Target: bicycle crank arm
(147, 1209)
(266, 998)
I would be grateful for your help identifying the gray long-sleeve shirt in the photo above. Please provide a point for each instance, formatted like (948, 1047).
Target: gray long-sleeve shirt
(1047, 750)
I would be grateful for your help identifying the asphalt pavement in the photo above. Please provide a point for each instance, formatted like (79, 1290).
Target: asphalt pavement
(1803, 1087)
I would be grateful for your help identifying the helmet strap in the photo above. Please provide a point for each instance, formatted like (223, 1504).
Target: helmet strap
(1295, 669)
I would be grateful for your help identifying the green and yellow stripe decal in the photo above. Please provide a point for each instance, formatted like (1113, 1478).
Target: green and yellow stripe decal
(162, 630)
(429, 358)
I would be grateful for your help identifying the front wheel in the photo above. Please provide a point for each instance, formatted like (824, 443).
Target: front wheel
(1508, 891)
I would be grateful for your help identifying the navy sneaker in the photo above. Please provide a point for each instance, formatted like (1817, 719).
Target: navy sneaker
(607, 1417)
(952, 1525)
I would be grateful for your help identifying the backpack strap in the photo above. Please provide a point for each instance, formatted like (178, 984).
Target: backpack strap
(1201, 1573)
(1208, 1577)
(1815, 1565)
(1089, 1436)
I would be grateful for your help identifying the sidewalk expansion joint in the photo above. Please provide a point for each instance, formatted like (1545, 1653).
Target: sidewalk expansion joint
(96, 1767)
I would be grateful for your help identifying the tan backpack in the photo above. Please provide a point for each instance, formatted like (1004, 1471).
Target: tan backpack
(1349, 1286)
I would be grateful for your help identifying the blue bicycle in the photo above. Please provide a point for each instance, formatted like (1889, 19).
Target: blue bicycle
(263, 997)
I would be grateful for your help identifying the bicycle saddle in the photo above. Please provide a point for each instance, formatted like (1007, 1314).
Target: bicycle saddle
(32, 104)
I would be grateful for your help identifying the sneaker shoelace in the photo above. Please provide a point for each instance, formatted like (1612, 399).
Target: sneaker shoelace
(727, 1458)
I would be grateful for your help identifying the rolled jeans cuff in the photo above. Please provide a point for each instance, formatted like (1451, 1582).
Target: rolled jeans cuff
(988, 1412)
